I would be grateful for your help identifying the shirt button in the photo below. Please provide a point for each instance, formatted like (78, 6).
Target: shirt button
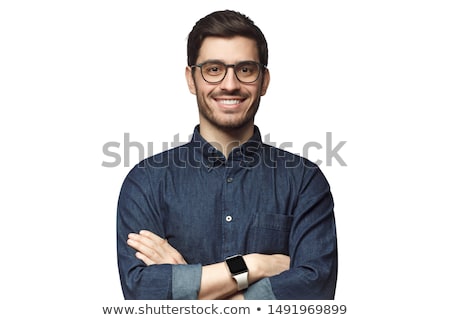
(229, 180)
(228, 218)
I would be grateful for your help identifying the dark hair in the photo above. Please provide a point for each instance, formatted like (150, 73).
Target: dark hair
(225, 24)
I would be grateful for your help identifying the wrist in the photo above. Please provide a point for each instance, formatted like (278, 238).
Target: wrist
(255, 272)
(239, 270)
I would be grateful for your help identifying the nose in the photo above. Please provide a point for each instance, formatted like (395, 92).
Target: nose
(230, 82)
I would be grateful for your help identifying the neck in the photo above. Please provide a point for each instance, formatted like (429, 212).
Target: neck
(225, 140)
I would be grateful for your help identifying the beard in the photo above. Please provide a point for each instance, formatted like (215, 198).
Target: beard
(227, 122)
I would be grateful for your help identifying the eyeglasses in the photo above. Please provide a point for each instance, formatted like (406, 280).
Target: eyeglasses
(214, 71)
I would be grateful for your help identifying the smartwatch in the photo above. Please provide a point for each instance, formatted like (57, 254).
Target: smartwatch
(238, 270)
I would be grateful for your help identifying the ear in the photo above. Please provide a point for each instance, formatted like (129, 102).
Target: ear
(266, 81)
(190, 80)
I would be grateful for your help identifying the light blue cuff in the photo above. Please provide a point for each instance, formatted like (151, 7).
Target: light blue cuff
(261, 290)
(186, 281)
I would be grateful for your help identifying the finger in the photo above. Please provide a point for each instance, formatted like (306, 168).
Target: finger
(153, 242)
(136, 244)
(152, 236)
(155, 248)
(172, 253)
(163, 247)
(144, 258)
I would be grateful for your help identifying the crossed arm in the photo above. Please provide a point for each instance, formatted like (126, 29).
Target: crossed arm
(216, 281)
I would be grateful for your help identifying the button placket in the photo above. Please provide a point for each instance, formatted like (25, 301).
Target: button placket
(229, 210)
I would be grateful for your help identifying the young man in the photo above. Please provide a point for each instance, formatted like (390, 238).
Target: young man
(226, 216)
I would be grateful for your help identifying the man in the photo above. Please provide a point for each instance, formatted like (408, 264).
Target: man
(226, 216)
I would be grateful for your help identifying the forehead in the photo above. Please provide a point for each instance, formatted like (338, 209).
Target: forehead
(229, 50)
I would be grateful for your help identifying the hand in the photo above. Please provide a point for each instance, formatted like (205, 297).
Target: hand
(237, 296)
(152, 249)
(266, 265)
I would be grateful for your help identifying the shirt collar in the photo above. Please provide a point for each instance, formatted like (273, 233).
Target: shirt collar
(246, 153)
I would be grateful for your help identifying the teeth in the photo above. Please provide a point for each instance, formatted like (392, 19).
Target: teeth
(229, 101)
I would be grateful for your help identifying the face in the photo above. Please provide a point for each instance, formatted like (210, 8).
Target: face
(229, 104)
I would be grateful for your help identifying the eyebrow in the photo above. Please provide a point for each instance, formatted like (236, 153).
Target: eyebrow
(221, 61)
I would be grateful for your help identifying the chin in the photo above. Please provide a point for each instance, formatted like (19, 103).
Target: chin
(228, 122)
(233, 125)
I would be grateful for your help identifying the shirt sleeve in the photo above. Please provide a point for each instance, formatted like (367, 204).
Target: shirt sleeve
(312, 243)
(138, 209)
(260, 290)
(186, 281)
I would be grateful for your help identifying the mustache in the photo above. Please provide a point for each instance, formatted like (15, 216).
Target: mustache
(234, 93)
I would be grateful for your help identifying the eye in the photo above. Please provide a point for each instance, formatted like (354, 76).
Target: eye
(213, 68)
(247, 68)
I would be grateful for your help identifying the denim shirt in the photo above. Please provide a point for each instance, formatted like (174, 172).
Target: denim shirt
(260, 199)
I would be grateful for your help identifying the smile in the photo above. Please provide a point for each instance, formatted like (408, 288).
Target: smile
(229, 101)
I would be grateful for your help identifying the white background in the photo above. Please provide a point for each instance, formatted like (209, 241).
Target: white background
(75, 75)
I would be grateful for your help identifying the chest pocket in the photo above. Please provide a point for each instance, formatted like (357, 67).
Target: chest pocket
(270, 233)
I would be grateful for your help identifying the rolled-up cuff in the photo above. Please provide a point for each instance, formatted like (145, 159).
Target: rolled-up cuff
(261, 290)
(186, 281)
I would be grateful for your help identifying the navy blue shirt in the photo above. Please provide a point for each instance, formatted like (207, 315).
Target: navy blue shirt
(260, 199)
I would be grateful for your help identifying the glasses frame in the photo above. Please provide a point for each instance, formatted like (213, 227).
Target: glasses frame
(261, 68)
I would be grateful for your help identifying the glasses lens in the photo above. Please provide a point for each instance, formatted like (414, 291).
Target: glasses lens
(247, 71)
(214, 71)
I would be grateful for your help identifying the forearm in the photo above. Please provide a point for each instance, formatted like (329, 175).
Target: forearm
(179, 282)
(218, 283)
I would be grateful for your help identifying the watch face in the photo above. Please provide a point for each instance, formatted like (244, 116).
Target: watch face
(236, 265)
